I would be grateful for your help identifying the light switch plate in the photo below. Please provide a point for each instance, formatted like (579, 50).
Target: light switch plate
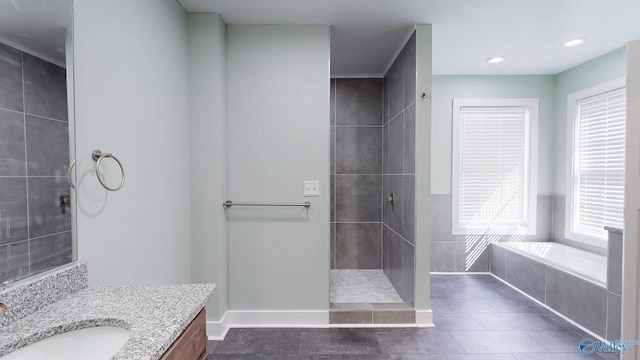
(311, 188)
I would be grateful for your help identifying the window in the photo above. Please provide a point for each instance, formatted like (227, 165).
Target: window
(495, 158)
(595, 179)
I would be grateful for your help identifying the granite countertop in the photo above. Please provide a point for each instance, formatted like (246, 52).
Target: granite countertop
(155, 314)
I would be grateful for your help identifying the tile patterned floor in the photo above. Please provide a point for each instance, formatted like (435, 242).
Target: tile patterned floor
(362, 286)
(477, 317)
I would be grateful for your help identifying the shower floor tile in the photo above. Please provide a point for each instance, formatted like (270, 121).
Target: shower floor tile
(362, 286)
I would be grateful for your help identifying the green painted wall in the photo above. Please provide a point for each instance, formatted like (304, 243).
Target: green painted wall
(278, 137)
(447, 87)
(552, 90)
(597, 71)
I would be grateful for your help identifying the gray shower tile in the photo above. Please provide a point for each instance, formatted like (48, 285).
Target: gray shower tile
(350, 317)
(14, 261)
(527, 275)
(472, 255)
(359, 101)
(557, 226)
(332, 186)
(614, 263)
(406, 285)
(441, 217)
(394, 317)
(332, 151)
(12, 159)
(498, 261)
(579, 300)
(47, 147)
(394, 89)
(396, 187)
(358, 246)
(332, 102)
(358, 150)
(393, 257)
(396, 157)
(443, 256)
(45, 88)
(45, 214)
(13, 209)
(332, 242)
(386, 205)
(408, 207)
(358, 198)
(614, 316)
(409, 71)
(10, 78)
(385, 149)
(543, 219)
(50, 251)
(409, 116)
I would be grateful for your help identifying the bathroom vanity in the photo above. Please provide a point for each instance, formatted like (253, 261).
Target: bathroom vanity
(164, 321)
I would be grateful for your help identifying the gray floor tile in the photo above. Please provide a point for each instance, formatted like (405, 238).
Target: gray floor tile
(514, 321)
(515, 305)
(472, 357)
(496, 342)
(460, 306)
(338, 341)
(558, 356)
(417, 341)
(559, 340)
(446, 322)
(259, 341)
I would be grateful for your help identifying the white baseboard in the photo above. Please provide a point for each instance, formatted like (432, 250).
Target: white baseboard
(424, 318)
(217, 330)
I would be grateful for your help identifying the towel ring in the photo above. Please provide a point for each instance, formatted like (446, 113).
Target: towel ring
(69, 173)
(98, 156)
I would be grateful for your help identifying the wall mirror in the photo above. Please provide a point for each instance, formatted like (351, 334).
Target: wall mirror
(37, 202)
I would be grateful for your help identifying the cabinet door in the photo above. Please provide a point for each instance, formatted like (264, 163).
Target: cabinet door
(192, 343)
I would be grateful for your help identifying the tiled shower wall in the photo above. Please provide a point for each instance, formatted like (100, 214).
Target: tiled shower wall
(35, 232)
(356, 173)
(398, 164)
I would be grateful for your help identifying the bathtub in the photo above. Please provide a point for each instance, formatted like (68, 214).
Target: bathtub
(570, 281)
(583, 264)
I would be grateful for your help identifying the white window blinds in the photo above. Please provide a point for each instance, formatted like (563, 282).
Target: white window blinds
(598, 145)
(492, 167)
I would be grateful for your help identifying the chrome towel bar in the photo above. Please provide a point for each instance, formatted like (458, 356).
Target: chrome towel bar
(227, 204)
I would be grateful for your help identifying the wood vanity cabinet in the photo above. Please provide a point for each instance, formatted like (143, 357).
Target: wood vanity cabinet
(192, 343)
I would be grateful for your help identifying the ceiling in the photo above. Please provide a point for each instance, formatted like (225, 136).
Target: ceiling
(38, 27)
(366, 35)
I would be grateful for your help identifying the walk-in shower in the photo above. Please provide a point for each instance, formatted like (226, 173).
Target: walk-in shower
(373, 191)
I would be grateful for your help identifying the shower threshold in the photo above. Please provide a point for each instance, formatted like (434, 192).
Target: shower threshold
(366, 298)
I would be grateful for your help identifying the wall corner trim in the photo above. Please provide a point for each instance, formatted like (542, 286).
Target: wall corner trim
(424, 318)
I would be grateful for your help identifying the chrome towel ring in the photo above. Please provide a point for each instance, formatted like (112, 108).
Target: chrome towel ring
(98, 156)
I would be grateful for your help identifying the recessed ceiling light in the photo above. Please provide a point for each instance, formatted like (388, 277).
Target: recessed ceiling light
(495, 59)
(574, 42)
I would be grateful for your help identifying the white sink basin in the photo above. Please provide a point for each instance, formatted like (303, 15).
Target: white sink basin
(100, 342)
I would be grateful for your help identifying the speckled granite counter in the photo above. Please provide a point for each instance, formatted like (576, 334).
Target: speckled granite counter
(155, 314)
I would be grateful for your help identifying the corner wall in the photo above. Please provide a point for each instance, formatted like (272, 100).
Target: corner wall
(398, 168)
(278, 137)
(132, 100)
(208, 155)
